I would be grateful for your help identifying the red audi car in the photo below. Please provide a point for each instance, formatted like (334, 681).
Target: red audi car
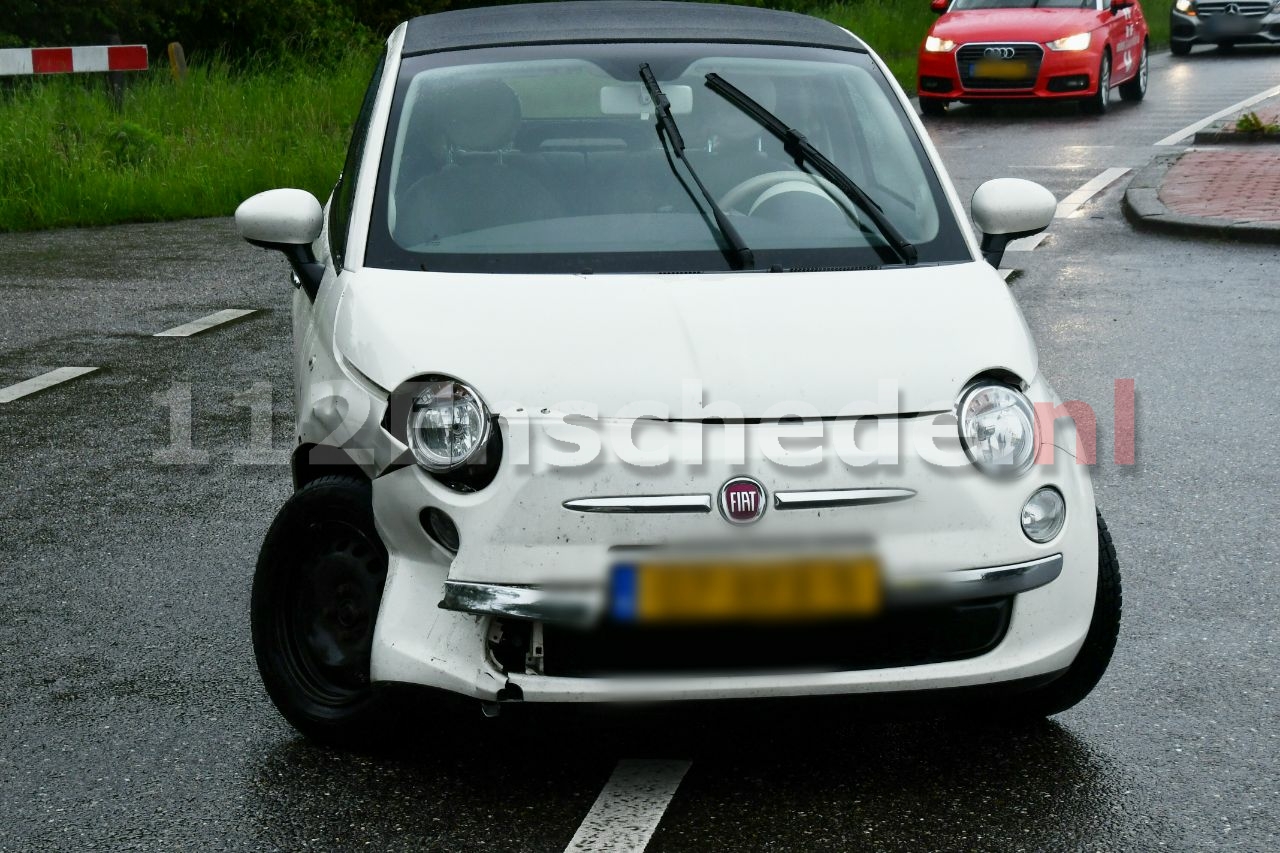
(981, 50)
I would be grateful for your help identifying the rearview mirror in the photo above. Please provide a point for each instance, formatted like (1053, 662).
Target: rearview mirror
(1008, 209)
(939, 6)
(287, 221)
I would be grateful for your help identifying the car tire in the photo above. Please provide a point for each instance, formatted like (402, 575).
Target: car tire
(933, 107)
(316, 592)
(1135, 88)
(1100, 101)
(1180, 48)
(1070, 688)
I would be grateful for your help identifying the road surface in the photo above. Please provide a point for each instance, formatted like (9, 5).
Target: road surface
(131, 716)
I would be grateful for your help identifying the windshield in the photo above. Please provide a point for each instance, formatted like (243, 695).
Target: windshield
(547, 159)
(961, 5)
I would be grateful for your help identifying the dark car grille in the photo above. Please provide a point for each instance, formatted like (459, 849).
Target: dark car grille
(1254, 9)
(969, 55)
(908, 638)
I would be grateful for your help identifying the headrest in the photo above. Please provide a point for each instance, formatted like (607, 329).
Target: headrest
(479, 115)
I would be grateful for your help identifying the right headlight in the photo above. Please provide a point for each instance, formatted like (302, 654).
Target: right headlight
(1185, 5)
(998, 429)
(448, 424)
(1077, 42)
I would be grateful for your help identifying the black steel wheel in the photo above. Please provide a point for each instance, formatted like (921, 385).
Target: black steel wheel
(1091, 662)
(316, 593)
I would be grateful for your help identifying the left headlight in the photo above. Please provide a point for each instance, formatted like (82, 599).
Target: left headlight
(998, 429)
(933, 44)
(448, 424)
(1079, 41)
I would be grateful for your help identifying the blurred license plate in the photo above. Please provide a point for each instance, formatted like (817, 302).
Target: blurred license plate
(1000, 69)
(1232, 25)
(809, 588)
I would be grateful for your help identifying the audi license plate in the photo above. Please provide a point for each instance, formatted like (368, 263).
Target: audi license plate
(1000, 69)
(801, 589)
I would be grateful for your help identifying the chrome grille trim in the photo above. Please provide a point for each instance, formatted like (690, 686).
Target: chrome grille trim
(642, 504)
(825, 498)
(1248, 8)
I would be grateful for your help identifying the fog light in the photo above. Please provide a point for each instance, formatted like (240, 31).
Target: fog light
(440, 527)
(1043, 515)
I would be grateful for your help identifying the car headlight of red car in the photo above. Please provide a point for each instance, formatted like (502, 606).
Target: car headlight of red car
(933, 44)
(1079, 41)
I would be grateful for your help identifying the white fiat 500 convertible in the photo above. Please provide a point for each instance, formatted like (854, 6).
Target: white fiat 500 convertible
(644, 352)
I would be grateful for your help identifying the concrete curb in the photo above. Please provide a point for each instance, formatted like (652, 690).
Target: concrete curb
(1143, 207)
(1219, 134)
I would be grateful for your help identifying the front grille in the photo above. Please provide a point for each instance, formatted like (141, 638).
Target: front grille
(1251, 8)
(903, 638)
(970, 55)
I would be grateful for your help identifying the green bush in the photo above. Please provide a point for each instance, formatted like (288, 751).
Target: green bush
(126, 144)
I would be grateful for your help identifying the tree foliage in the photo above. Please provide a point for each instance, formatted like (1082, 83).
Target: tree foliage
(235, 29)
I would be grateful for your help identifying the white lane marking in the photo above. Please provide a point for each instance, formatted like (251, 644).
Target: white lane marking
(195, 327)
(41, 382)
(1026, 244)
(1080, 197)
(626, 814)
(1178, 136)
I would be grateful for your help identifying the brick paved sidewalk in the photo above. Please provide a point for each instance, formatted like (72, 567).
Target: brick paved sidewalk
(1237, 182)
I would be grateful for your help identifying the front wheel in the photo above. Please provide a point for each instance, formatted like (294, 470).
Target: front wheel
(1100, 101)
(933, 107)
(316, 593)
(1180, 48)
(1091, 662)
(1135, 88)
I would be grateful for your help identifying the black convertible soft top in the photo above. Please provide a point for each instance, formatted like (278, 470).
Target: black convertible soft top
(618, 21)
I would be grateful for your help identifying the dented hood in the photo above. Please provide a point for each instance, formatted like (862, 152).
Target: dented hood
(825, 339)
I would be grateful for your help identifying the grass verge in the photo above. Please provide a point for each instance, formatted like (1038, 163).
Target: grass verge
(198, 149)
(173, 151)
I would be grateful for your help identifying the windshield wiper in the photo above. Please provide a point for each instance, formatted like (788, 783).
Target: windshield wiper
(740, 257)
(802, 151)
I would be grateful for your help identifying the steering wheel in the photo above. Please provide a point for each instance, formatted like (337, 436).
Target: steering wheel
(759, 184)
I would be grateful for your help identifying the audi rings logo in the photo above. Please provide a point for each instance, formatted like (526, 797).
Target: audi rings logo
(999, 53)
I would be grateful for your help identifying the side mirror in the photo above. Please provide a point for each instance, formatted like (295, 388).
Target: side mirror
(939, 6)
(1008, 209)
(287, 221)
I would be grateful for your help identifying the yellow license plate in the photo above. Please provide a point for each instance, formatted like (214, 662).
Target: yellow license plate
(808, 588)
(998, 69)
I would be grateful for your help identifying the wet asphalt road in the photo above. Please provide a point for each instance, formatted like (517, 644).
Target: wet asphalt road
(131, 716)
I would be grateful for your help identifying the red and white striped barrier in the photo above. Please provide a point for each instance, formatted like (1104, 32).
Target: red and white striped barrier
(72, 60)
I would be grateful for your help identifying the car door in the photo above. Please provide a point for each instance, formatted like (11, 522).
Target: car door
(1126, 34)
